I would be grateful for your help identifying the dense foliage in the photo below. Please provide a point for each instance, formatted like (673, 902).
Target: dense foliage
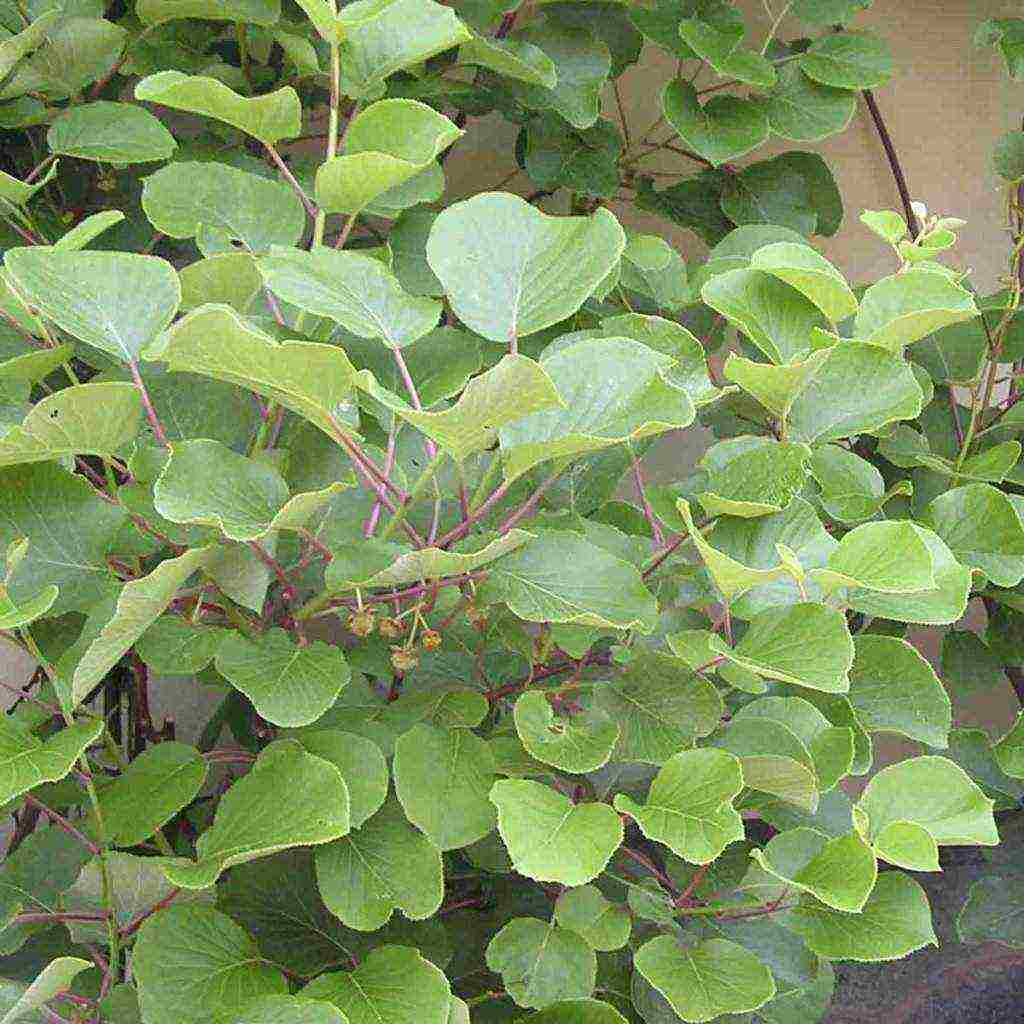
(505, 730)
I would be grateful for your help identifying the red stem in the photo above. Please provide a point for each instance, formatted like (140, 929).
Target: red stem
(652, 519)
(151, 415)
(133, 926)
(62, 822)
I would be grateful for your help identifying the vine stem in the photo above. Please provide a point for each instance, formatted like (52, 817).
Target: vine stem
(286, 173)
(531, 503)
(398, 517)
(389, 465)
(323, 602)
(894, 162)
(652, 520)
(147, 404)
(460, 531)
(62, 823)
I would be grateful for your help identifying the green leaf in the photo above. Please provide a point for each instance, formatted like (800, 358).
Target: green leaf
(931, 792)
(55, 978)
(852, 489)
(983, 529)
(34, 878)
(312, 380)
(17, 192)
(385, 145)
(689, 806)
(1009, 750)
(87, 419)
(887, 224)
(604, 925)
(830, 748)
(401, 34)
(353, 290)
(551, 839)
(894, 689)
(576, 743)
(752, 476)
(969, 665)
(993, 912)
(255, 12)
(848, 60)
(269, 118)
(774, 759)
(139, 604)
(288, 684)
(888, 556)
(753, 543)
(220, 205)
(248, 823)
(809, 273)
(35, 365)
(443, 778)
(231, 278)
(193, 963)
(13, 616)
(514, 388)
(895, 921)
(153, 788)
(560, 577)
(541, 963)
(651, 267)
(76, 52)
(117, 301)
(840, 872)
(582, 64)
(384, 564)
(671, 339)
(660, 707)
(119, 133)
(775, 387)
(803, 110)
(723, 129)
(206, 483)
(510, 270)
(771, 313)
(624, 393)
(383, 866)
(861, 388)
(393, 985)
(730, 576)
(289, 1010)
(722, 51)
(15, 47)
(69, 531)
(704, 981)
(176, 646)
(904, 308)
(514, 58)
(941, 606)
(807, 644)
(26, 761)
(361, 764)
(577, 1011)
(88, 229)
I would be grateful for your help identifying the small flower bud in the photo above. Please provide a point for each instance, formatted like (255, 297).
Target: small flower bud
(476, 617)
(404, 659)
(391, 628)
(361, 622)
(430, 639)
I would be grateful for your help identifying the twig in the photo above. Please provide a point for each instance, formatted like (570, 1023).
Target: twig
(286, 172)
(894, 163)
(641, 493)
(61, 822)
(147, 403)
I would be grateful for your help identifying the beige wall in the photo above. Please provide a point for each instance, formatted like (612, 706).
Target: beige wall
(946, 106)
